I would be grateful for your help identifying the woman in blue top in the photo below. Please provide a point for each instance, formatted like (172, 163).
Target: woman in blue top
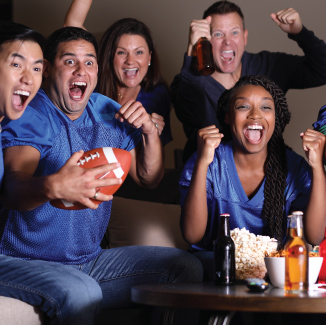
(129, 66)
(252, 174)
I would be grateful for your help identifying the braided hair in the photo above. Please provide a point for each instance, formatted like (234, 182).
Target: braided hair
(275, 165)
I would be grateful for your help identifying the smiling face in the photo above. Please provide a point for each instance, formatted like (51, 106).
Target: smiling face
(251, 118)
(131, 60)
(228, 41)
(21, 67)
(73, 77)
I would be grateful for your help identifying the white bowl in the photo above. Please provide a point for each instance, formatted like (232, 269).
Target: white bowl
(276, 270)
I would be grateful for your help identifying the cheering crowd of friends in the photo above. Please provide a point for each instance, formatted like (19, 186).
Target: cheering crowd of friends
(65, 95)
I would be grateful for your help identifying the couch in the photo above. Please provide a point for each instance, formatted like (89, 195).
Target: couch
(16, 312)
(135, 222)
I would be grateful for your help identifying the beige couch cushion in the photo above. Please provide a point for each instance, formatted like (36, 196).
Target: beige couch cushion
(136, 222)
(16, 312)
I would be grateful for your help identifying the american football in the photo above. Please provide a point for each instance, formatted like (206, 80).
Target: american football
(99, 157)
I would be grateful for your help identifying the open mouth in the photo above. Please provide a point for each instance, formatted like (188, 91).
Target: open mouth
(254, 133)
(20, 97)
(228, 56)
(77, 90)
(130, 72)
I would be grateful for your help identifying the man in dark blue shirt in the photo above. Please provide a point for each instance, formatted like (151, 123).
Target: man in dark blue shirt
(195, 96)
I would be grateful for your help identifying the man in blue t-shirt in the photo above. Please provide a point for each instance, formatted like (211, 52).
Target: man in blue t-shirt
(21, 65)
(51, 258)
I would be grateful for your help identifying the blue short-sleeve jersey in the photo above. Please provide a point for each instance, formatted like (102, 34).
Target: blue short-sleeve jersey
(49, 233)
(1, 160)
(225, 193)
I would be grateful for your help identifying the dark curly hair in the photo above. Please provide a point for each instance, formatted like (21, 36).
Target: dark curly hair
(275, 164)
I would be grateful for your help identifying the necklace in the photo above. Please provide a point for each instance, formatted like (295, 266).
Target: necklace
(132, 94)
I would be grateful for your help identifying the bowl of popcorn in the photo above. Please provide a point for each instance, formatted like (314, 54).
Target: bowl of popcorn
(250, 251)
(275, 264)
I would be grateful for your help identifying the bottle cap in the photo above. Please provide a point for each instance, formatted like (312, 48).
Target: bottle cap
(224, 215)
(300, 213)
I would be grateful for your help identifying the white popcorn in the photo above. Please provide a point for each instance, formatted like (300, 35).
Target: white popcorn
(250, 251)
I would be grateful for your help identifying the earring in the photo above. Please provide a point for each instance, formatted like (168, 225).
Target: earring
(149, 64)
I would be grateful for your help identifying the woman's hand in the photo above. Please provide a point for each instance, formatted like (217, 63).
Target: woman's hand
(313, 143)
(158, 120)
(208, 139)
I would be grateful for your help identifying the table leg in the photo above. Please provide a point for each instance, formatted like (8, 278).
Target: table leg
(221, 318)
(167, 318)
(217, 318)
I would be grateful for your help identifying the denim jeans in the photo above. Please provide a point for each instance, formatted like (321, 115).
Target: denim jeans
(73, 294)
(207, 260)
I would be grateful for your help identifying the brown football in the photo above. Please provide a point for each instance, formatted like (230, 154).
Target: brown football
(99, 157)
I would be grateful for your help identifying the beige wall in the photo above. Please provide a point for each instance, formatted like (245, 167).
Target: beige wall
(169, 22)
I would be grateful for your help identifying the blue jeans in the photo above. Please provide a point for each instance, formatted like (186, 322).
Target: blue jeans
(73, 294)
(207, 260)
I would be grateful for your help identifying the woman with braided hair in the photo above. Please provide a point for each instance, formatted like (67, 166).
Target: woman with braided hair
(246, 170)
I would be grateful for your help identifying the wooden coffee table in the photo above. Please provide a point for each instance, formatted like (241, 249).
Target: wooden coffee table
(224, 301)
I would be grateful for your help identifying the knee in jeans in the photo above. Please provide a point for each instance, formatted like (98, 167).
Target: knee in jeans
(192, 269)
(79, 293)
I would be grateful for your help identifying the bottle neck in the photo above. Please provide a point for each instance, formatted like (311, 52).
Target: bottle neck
(295, 224)
(224, 230)
(295, 232)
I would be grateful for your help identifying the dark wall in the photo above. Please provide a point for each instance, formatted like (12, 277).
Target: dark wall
(5, 9)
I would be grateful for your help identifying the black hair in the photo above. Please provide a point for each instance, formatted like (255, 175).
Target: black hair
(276, 163)
(222, 8)
(66, 34)
(11, 32)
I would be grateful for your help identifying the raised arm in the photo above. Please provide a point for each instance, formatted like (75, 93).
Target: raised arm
(77, 13)
(288, 20)
(313, 143)
(304, 71)
(147, 165)
(24, 191)
(194, 213)
(198, 28)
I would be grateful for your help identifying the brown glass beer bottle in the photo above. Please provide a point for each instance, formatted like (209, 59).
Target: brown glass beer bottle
(224, 254)
(205, 59)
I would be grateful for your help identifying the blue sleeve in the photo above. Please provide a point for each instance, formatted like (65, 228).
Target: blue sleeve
(321, 119)
(132, 139)
(107, 108)
(29, 130)
(185, 179)
(297, 192)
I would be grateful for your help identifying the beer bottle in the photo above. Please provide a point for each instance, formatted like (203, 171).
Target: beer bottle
(205, 59)
(322, 253)
(296, 256)
(224, 254)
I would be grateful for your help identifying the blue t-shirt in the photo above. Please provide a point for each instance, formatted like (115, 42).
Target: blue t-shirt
(49, 233)
(1, 160)
(225, 193)
(321, 119)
